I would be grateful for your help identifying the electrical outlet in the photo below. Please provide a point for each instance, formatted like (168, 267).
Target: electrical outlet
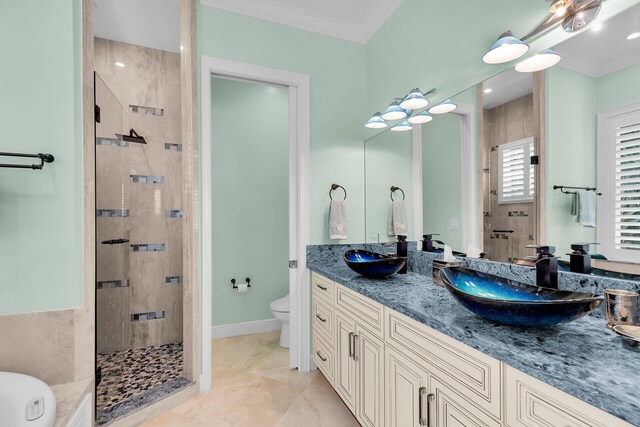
(453, 223)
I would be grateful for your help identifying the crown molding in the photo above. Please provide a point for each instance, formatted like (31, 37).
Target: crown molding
(267, 10)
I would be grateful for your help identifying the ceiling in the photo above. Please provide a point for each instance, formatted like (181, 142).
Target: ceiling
(597, 53)
(506, 86)
(353, 20)
(149, 23)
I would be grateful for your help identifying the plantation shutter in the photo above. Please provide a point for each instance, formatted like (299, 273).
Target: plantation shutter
(516, 178)
(627, 184)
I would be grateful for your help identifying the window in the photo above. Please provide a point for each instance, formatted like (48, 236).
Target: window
(516, 177)
(619, 181)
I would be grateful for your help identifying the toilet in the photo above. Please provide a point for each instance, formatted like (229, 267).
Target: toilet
(280, 310)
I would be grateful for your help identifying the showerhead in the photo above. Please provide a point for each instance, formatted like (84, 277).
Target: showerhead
(132, 137)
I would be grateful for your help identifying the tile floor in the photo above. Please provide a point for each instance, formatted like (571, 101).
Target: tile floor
(129, 378)
(252, 386)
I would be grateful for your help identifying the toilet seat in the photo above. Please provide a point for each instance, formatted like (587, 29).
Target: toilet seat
(280, 305)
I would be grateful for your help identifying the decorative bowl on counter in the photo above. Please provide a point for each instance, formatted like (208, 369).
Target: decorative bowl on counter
(372, 264)
(515, 303)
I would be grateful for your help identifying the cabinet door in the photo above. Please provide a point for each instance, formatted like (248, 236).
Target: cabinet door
(345, 373)
(370, 360)
(406, 391)
(446, 408)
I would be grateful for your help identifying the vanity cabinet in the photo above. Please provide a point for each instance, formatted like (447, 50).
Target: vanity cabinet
(392, 371)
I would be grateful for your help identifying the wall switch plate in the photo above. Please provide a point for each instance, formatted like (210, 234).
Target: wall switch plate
(453, 223)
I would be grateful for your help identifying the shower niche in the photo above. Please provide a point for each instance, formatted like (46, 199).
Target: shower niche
(139, 215)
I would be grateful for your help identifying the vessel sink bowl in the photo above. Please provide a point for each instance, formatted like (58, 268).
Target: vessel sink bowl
(372, 264)
(25, 401)
(515, 303)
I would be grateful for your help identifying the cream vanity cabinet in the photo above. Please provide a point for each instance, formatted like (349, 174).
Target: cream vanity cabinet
(393, 371)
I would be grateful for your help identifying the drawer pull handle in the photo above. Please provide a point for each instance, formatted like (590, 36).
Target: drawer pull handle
(355, 348)
(430, 398)
(324, 359)
(324, 288)
(421, 419)
(351, 344)
(320, 318)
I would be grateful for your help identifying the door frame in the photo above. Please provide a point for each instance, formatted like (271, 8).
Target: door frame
(299, 211)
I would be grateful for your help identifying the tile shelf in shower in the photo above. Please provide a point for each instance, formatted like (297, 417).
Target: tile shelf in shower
(148, 247)
(154, 111)
(147, 179)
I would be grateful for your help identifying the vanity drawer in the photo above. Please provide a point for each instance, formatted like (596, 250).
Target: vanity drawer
(322, 319)
(323, 288)
(368, 312)
(532, 403)
(324, 357)
(474, 375)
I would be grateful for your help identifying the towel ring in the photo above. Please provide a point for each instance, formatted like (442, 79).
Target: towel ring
(394, 189)
(335, 187)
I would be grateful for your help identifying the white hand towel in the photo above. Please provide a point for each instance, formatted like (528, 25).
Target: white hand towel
(448, 254)
(338, 220)
(587, 202)
(473, 252)
(397, 225)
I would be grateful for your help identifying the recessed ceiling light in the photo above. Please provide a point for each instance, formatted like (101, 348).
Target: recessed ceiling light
(633, 36)
(488, 90)
(597, 26)
(181, 48)
(119, 64)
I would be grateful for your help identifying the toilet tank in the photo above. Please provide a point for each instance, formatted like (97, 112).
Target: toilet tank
(25, 401)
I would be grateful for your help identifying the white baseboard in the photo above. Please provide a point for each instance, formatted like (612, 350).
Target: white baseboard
(244, 328)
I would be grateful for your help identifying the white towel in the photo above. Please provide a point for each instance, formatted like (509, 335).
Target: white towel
(586, 202)
(448, 254)
(397, 225)
(338, 220)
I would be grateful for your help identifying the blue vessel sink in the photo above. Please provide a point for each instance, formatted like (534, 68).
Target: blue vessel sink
(514, 303)
(372, 264)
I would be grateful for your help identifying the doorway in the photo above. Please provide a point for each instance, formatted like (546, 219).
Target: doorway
(297, 90)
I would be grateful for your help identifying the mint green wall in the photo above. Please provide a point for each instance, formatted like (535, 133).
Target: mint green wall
(41, 111)
(250, 211)
(386, 165)
(336, 70)
(618, 89)
(441, 186)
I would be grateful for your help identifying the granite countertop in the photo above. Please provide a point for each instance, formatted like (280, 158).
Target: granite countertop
(68, 397)
(582, 358)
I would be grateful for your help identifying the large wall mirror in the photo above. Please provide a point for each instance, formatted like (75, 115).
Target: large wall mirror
(501, 172)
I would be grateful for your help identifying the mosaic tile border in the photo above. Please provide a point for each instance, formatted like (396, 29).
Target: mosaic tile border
(147, 179)
(154, 111)
(111, 142)
(111, 284)
(173, 213)
(172, 147)
(173, 280)
(151, 315)
(113, 213)
(147, 247)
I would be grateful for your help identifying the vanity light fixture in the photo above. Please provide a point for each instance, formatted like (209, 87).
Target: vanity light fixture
(415, 100)
(538, 62)
(376, 122)
(559, 7)
(423, 117)
(445, 106)
(506, 49)
(401, 127)
(119, 64)
(394, 112)
(633, 36)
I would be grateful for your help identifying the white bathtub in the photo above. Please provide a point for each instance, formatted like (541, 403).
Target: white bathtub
(25, 401)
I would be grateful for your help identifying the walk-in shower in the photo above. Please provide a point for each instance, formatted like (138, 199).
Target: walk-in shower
(139, 292)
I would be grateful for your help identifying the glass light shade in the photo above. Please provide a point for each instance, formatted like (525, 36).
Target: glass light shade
(541, 61)
(423, 117)
(445, 106)
(394, 112)
(414, 100)
(376, 122)
(401, 127)
(506, 49)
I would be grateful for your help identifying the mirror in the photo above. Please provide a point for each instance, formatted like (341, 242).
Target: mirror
(580, 120)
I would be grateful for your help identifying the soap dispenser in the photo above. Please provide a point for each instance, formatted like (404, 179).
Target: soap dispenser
(401, 251)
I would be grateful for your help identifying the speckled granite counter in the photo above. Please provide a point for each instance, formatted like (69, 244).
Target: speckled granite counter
(582, 358)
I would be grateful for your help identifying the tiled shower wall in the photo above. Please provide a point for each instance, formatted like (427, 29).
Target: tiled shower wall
(506, 123)
(138, 197)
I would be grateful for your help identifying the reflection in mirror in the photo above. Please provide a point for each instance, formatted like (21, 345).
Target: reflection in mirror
(388, 164)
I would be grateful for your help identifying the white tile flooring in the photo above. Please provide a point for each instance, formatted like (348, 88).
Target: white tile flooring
(252, 386)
